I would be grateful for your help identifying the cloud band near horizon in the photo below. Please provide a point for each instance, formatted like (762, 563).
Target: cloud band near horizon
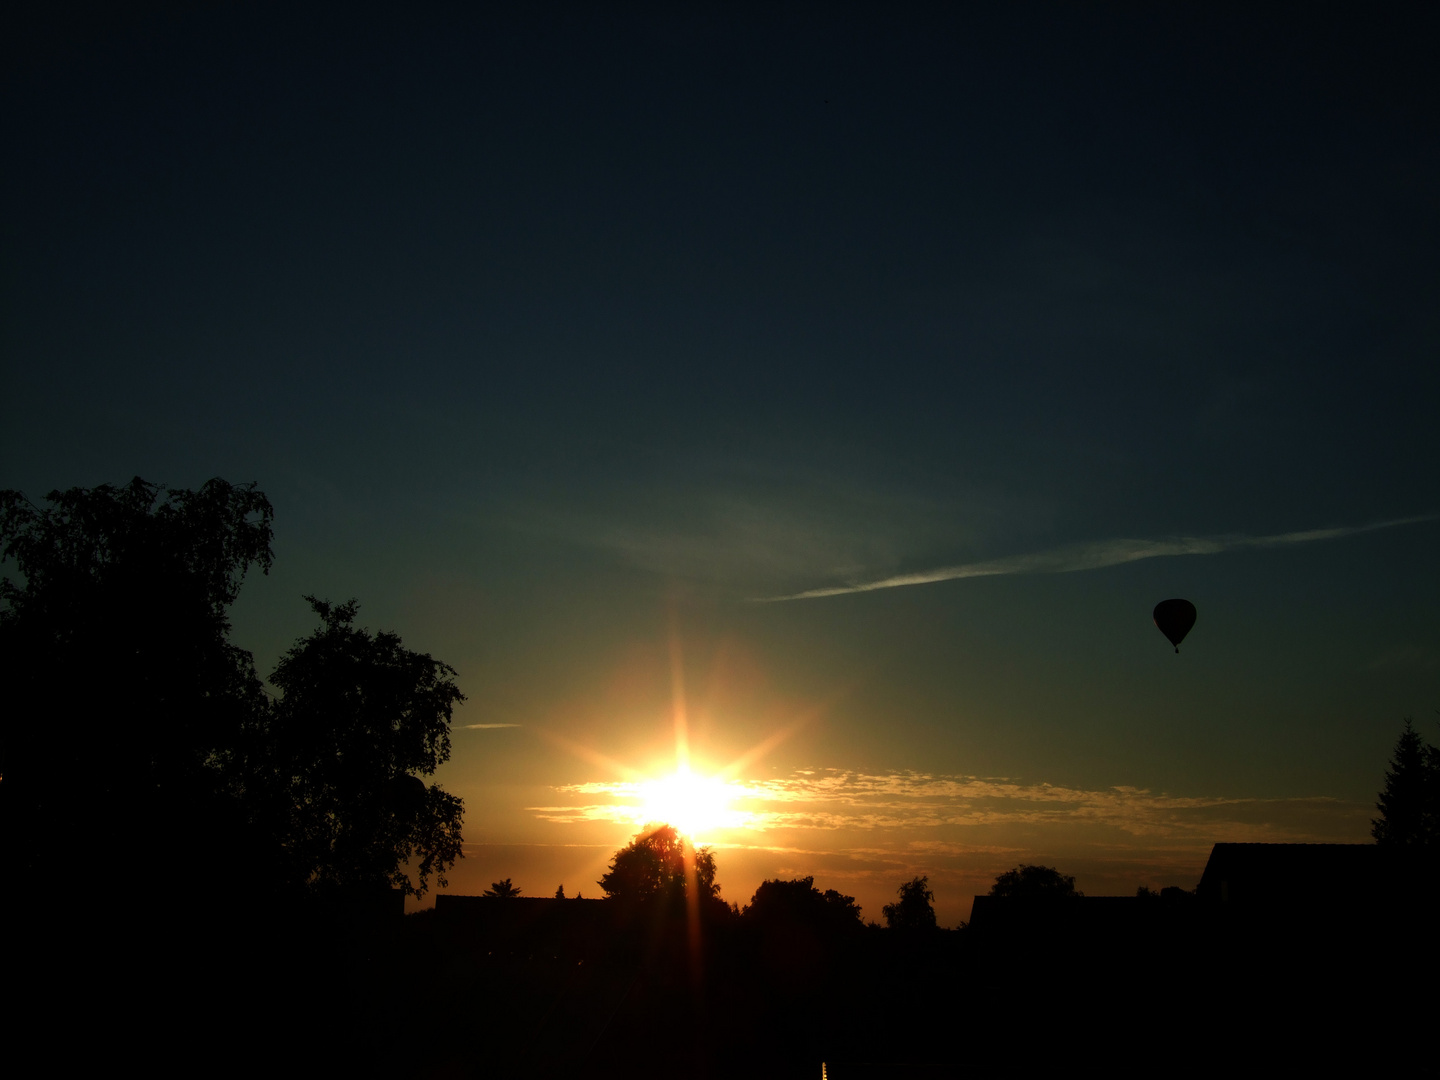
(1096, 556)
(831, 800)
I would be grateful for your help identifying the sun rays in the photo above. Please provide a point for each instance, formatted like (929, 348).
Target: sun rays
(699, 800)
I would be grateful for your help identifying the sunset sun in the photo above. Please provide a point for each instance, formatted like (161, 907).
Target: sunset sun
(692, 803)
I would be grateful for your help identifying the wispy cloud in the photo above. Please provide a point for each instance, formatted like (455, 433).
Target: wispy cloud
(757, 525)
(1095, 556)
(487, 727)
(828, 800)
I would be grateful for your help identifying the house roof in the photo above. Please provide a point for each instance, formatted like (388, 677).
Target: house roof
(1264, 873)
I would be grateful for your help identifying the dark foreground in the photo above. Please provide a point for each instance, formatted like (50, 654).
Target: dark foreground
(573, 988)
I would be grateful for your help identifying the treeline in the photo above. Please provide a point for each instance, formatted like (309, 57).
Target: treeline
(658, 865)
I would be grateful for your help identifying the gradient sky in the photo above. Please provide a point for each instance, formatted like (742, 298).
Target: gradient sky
(570, 345)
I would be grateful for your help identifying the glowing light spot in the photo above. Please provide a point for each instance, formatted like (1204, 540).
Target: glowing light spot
(693, 804)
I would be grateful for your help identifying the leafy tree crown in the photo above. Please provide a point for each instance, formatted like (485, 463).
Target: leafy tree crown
(90, 538)
(654, 865)
(799, 902)
(1039, 882)
(116, 635)
(361, 719)
(914, 910)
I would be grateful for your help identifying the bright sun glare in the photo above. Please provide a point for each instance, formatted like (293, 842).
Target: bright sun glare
(693, 804)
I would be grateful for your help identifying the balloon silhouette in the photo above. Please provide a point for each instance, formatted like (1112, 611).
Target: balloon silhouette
(1175, 618)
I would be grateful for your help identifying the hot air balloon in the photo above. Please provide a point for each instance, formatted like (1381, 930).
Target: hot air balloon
(1174, 618)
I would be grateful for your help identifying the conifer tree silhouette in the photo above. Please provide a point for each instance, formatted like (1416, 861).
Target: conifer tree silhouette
(1407, 803)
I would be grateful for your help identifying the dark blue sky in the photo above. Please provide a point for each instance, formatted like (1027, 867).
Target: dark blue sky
(547, 336)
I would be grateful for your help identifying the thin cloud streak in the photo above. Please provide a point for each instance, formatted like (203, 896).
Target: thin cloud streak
(487, 727)
(1096, 556)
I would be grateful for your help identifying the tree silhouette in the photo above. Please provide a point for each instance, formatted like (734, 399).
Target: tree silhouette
(915, 908)
(1408, 802)
(361, 720)
(502, 890)
(125, 707)
(1035, 882)
(654, 865)
(799, 903)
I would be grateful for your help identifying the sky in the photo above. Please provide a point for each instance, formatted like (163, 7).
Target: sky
(821, 395)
